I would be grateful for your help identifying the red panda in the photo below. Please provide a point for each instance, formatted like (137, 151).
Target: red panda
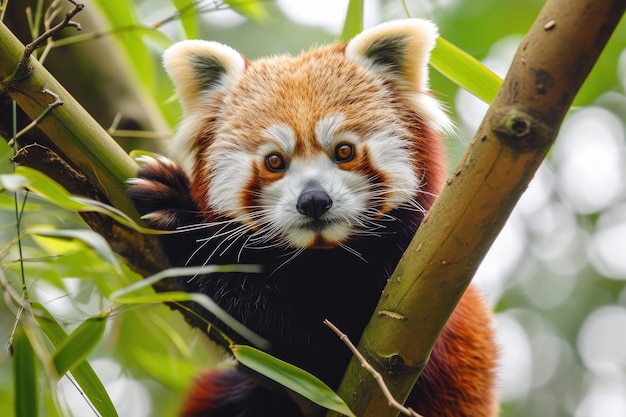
(319, 168)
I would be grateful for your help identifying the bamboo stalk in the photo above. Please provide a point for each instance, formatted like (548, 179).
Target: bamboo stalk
(84, 143)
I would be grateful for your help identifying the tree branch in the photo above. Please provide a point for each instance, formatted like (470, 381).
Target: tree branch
(23, 67)
(549, 68)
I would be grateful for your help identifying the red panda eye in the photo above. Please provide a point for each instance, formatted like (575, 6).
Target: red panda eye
(275, 162)
(344, 152)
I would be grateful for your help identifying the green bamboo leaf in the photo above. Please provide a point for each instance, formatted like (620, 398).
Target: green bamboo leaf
(121, 16)
(26, 401)
(179, 272)
(122, 296)
(84, 375)
(75, 348)
(94, 240)
(42, 184)
(7, 202)
(56, 194)
(155, 298)
(465, 70)
(152, 33)
(253, 9)
(188, 13)
(50, 406)
(12, 182)
(353, 24)
(291, 377)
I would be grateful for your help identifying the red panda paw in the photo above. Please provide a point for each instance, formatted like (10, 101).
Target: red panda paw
(231, 393)
(161, 194)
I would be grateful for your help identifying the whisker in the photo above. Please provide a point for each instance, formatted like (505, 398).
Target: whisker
(293, 255)
(352, 251)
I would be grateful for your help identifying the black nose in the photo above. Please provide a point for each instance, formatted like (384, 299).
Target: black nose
(314, 203)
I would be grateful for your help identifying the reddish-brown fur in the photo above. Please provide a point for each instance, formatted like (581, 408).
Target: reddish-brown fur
(459, 378)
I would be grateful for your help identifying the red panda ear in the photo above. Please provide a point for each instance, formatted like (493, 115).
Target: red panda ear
(398, 49)
(200, 69)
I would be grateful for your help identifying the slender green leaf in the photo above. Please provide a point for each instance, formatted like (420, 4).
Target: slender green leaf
(154, 298)
(121, 296)
(7, 202)
(12, 182)
(353, 24)
(465, 70)
(89, 237)
(83, 373)
(121, 15)
(26, 401)
(56, 194)
(42, 184)
(75, 348)
(151, 33)
(188, 13)
(50, 406)
(180, 272)
(291, 377)
(253, 9)
(230, 321)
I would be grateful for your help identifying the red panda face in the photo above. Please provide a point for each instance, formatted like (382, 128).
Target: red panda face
(315, 150)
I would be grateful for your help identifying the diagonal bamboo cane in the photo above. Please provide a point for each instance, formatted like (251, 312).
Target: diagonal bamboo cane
(81, 139)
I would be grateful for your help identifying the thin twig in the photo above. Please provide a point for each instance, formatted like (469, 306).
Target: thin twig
(49, 16)
(23, 68)
(377, 376)
(18, 219)
(143, 134)
(56, 103)
(215, 6)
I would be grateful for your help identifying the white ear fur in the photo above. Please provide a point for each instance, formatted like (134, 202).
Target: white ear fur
(400, 50)
(198, 68)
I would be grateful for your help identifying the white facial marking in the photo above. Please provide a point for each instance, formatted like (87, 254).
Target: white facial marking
(326, 129)
(355, 195)
(283, 135)
(230, 174)
(388, 152)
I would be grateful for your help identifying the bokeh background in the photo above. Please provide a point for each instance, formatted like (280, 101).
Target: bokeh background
(556, 276)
